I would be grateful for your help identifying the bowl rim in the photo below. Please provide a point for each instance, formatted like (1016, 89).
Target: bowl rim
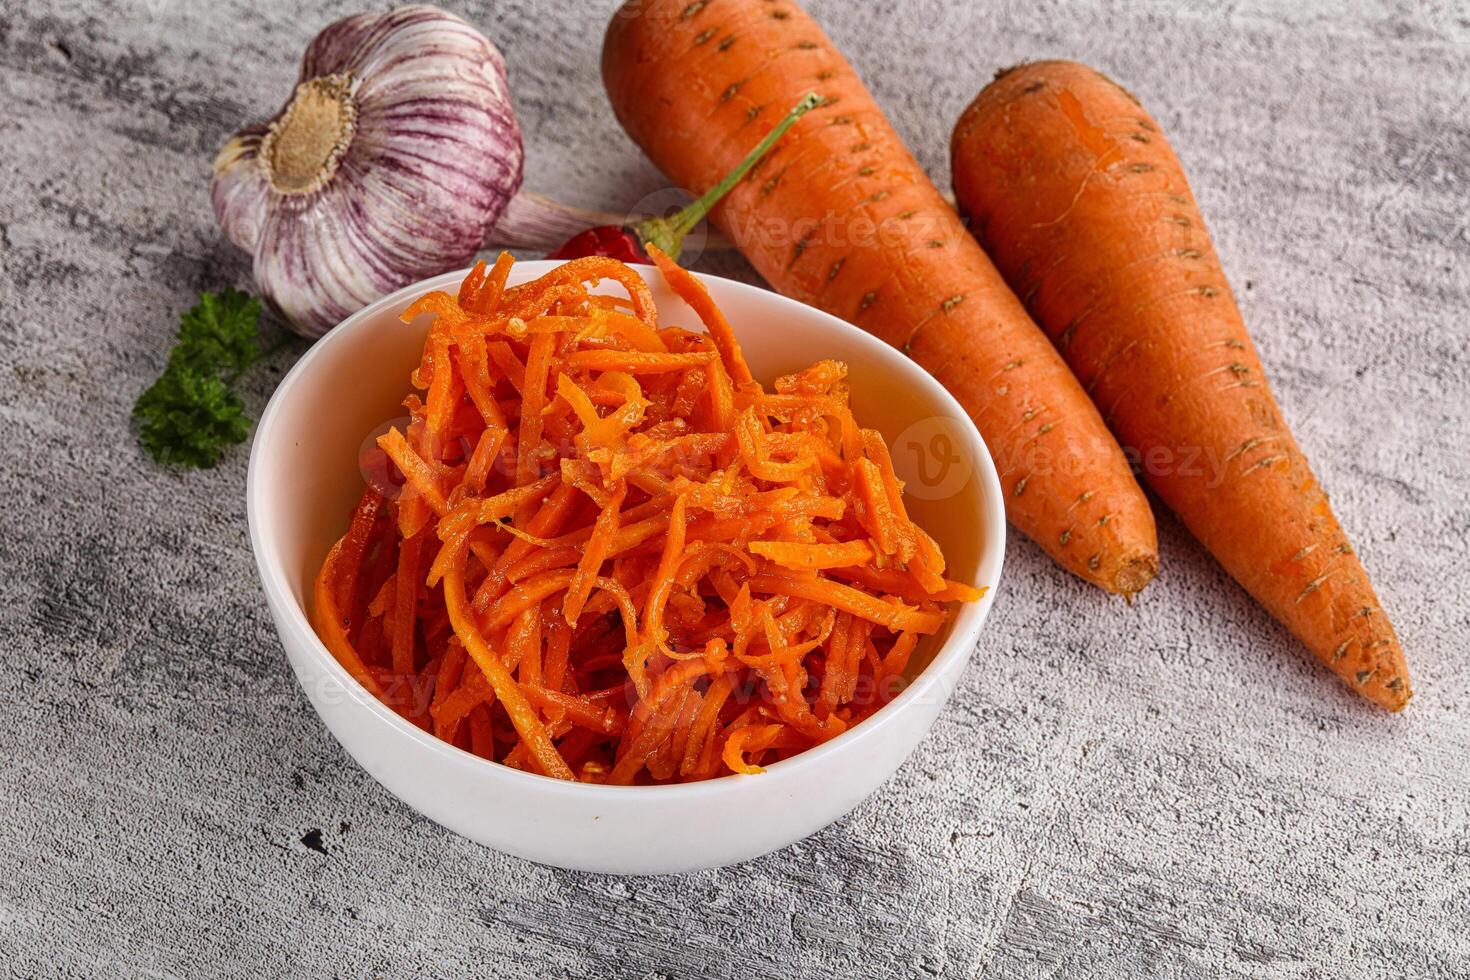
(949, 659)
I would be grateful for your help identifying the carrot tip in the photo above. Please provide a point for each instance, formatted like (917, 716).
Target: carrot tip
(1134, 575)
(1392, 695)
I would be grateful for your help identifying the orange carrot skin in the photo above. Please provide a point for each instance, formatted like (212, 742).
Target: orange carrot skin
(1072, 187)
(840, 216)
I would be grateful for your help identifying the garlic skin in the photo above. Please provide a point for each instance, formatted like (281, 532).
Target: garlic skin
(391, 163)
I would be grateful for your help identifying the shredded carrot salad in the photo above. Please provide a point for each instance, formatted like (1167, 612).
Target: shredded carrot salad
(606, 553)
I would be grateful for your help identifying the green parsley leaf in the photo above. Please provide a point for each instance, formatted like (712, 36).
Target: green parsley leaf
(220, 332)
(189, 416)
(189, 419)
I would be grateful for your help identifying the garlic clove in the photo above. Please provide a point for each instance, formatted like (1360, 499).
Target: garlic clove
(240, 190)
(318, 264)
(454, 198)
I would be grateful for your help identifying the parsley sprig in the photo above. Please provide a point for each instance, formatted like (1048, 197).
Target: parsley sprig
(189, 416)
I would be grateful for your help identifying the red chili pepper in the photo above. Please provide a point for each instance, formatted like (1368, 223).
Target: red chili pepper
(619, 243)
(629, 242)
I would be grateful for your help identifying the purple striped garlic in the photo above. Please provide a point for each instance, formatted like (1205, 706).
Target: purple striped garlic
(392, 161)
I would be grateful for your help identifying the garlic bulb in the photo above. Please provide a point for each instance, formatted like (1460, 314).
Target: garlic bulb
(392, 162)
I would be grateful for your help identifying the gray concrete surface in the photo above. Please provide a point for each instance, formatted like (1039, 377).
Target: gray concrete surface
(1167, 790)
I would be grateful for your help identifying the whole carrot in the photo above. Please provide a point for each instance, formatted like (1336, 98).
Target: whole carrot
(839, 215)
(1072, 187)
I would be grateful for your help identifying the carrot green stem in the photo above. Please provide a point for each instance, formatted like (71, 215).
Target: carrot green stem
(668, 233)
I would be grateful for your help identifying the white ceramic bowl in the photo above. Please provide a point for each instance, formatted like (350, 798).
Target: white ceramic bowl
(304, 481)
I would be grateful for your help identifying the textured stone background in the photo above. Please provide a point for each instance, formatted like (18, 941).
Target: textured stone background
(1170, 789)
